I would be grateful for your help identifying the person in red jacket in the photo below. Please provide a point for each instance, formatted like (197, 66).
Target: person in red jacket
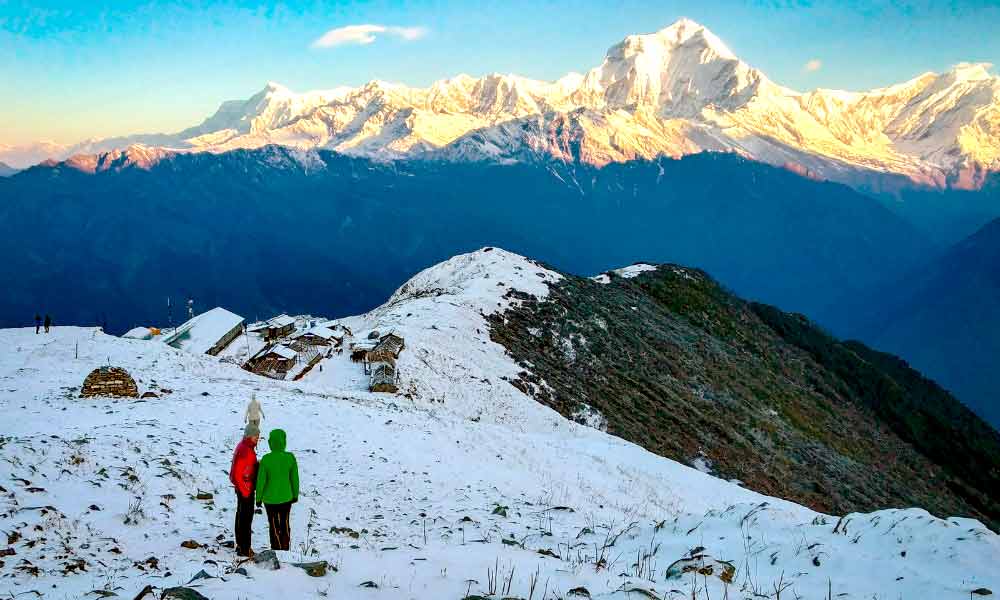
(243, 475)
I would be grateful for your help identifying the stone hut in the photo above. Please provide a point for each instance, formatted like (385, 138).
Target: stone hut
(109, 381)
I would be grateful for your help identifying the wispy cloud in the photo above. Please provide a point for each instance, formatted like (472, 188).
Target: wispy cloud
(366, 34)
(813, 65)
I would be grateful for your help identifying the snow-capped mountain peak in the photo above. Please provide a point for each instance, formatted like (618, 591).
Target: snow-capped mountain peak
(972, 72)
(683, 33)
(677, 71)
(271, 108)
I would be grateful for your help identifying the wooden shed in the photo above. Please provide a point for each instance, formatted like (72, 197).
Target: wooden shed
(384, 378)
(317, 336)
(275, 328)
(376, 357)
(273, 360)
(281, 326)
(391, 343)
(360, 350)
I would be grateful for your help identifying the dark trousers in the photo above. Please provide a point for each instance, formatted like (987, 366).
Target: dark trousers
(279, 524)
(244, 522)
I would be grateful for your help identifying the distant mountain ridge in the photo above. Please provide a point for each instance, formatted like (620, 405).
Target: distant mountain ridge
(209, 225)
(674, 92)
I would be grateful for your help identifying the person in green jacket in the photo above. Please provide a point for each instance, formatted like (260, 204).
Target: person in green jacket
(278, 489)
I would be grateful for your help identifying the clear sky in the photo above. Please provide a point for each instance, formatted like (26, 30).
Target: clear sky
(72, 70)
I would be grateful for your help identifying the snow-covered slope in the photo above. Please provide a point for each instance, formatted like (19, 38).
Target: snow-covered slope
(425, 494)
(674, 92)
(449, 356)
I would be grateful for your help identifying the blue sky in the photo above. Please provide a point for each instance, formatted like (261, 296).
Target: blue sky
(72, 70)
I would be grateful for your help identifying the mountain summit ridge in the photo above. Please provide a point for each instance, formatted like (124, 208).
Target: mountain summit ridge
(673, 92)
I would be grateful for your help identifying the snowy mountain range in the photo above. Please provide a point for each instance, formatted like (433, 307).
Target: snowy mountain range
(674, 92)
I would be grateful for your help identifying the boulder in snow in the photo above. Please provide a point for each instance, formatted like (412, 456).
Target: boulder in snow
(314, 569)
(182, 593)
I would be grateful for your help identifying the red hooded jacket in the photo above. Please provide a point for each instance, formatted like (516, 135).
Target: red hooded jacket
(243, 473)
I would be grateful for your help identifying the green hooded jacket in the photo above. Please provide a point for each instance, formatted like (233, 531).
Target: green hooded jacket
(278, 473)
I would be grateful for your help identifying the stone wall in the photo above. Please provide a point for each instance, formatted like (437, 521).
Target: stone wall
(109, 381)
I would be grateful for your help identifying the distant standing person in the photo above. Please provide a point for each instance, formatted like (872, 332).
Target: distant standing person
(243, 476)
(278, 489)
(38, 323)
(254, 411)
(48, 323)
